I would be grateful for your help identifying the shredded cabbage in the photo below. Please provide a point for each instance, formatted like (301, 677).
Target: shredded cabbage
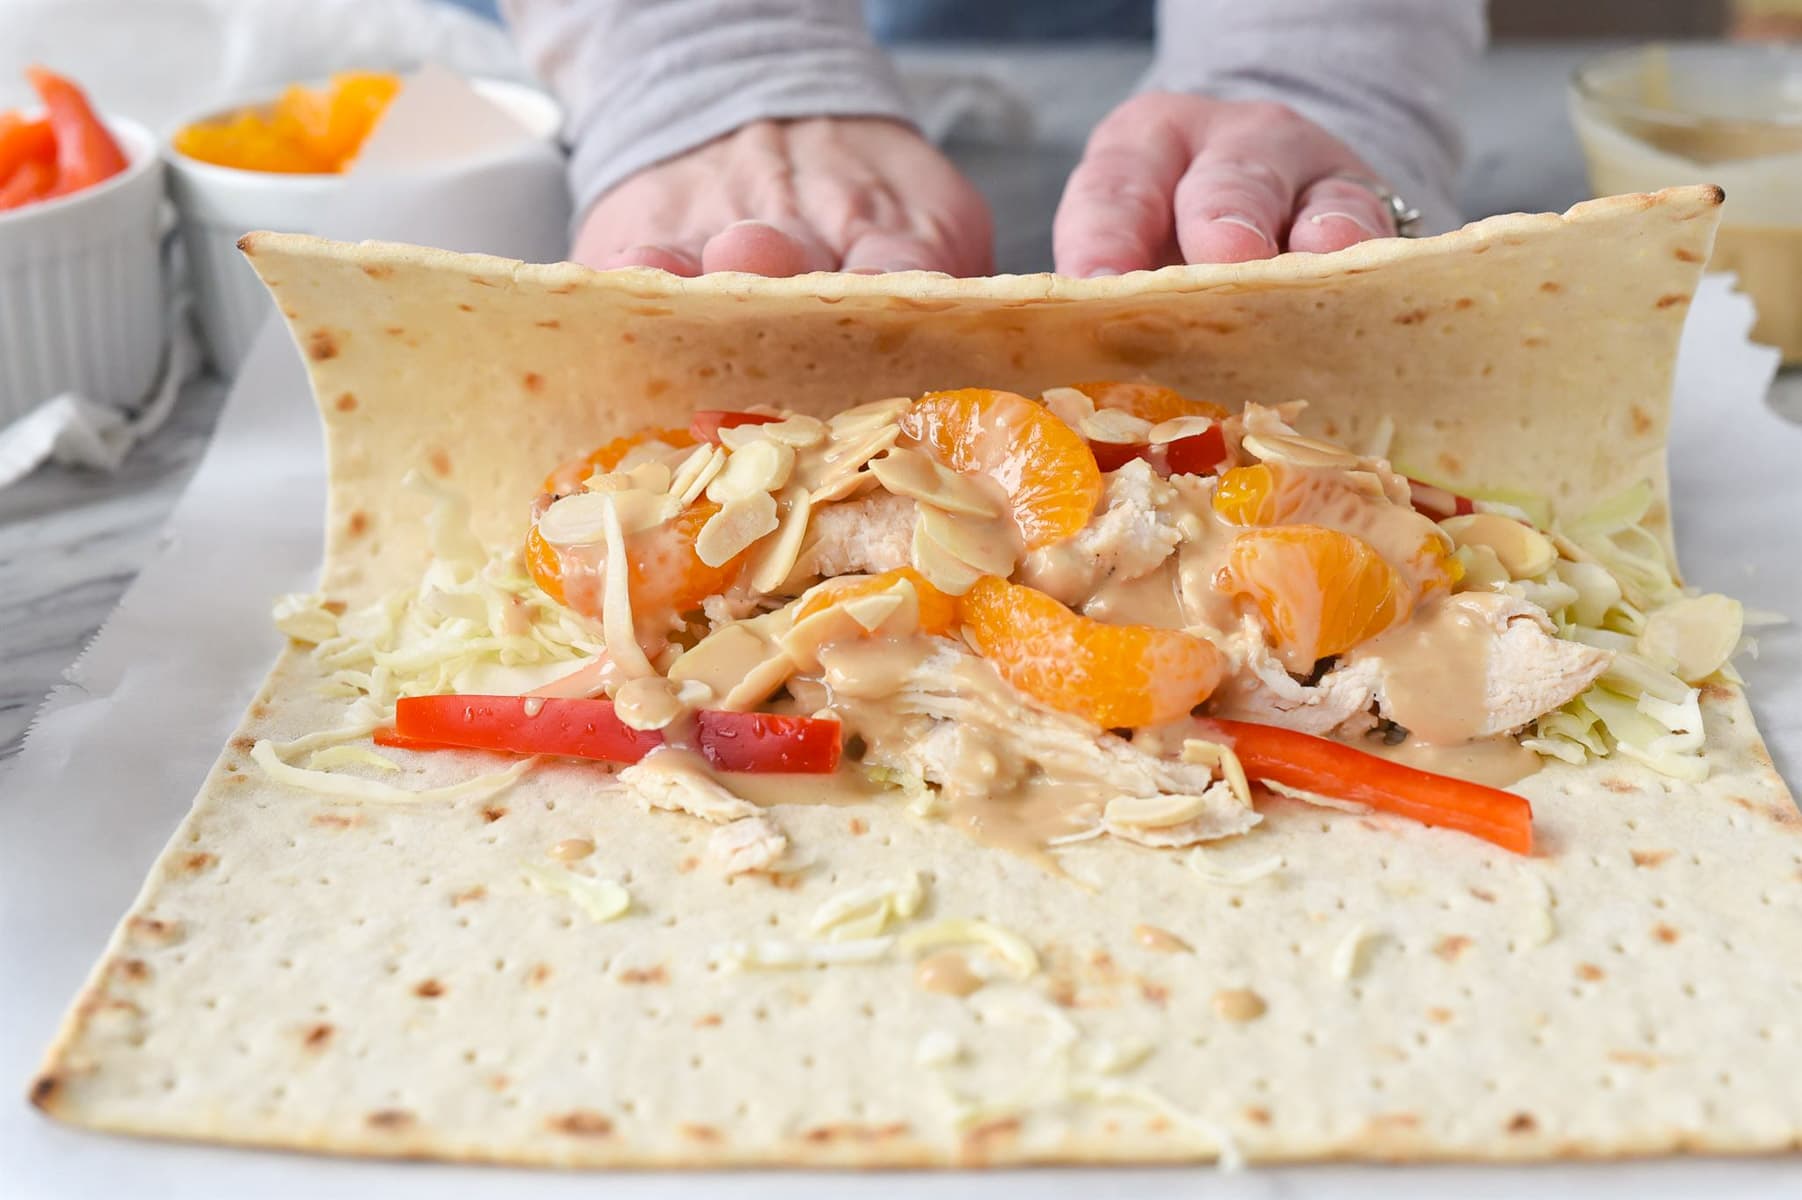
(602, 899)
(372, 791)
(1007, 945)
(864, 912)
(474, 623)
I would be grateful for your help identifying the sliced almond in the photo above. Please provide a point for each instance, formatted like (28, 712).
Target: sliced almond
(1068, 405)
(942, 569)
(1694, 636)
(697, 471)
(580, 519)
(911, 473)
(760, 467)
(735, 528)
(865, 417)
(1178, 427)
(1115, 426)
(776, 557)
(651, 477)
(851, 620)
(837, 469)
(1154, 812)
(735, 664)
(989, 546)
(798, 431)
(1296, 450)
(1523, 551)
(843, 488)
(609, 481)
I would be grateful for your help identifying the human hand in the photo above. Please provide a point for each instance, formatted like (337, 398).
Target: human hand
(1170, 178)
(786, 197)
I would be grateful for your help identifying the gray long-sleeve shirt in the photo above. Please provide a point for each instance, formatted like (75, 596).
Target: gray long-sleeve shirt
(645, 80)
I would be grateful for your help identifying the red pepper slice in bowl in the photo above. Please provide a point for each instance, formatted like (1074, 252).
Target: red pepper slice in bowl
(1328, 768)
(589, 728)
(1198, 454)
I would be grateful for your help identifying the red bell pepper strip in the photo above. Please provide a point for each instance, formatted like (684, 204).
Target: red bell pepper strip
(706, 424)
(585, 728)
(1198, 454)
(29, 182)
(23, 141)
(1329, 768)
(85, 151)
(1437, 502)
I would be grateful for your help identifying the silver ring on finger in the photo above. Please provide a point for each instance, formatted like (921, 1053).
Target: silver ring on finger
(1404, 216)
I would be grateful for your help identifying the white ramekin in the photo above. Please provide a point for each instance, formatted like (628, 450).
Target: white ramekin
(514, 203)
(81, 288)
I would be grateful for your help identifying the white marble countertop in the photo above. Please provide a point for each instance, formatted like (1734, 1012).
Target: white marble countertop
(71, 541)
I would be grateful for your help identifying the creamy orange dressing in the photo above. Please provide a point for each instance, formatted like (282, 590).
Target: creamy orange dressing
(946, 973)
(1497, 761)
(1435, 667)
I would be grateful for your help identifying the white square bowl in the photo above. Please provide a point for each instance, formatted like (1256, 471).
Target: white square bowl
(82, 307)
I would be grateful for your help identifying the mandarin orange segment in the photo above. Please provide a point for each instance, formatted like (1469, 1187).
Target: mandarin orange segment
(1247, 496)
(1147, 401)
(305, 131)
(938, 611)
(1320, 591)
(1045, 467)
(1114, 676)
(665, 575)
(573, 474)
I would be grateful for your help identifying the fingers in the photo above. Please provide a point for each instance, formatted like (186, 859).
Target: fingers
(758, 248)
(875, 253)
(664, 258)
(1336, 212)
(1115, 215)
(1234, 201)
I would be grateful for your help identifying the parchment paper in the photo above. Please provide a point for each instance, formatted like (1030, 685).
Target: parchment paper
(118, 753)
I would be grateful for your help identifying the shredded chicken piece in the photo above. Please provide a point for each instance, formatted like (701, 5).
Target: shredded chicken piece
(678, 781)
(747, 844)
(1531, 671)
(1265, 692)
(1129, 537)
(868, 535)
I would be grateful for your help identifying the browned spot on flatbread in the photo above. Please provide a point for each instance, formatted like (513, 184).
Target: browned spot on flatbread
(259, 710)
(857, 827)
(1716, 693)
(154, 930)
(852, 1131)
(346, 402)
(1642, 420)
(695, 1132)
(395, 331)
(389, 1119)
(358, 524)
(629, 338)
(377, 270)
(1484, 896)
(1532, 341)
(1463, 302)
(499, 1083)
(562, 289)
(580, 1122)
(1635, 1058)
(1154, 993)
(322, 344)
(242, 742)
(1439, 1016)
(643, 975)
(334, 820)
(1452, 947)
(706, 372)
(539, 975)
(466, 307)
(1451, 463)
(1665, 933)
(1522, 1122)
(533, 381)
(1740, 802)
(1002, 1129)
(195, 862)
(480, 282)
(707, 1020)
(754, 371)
(1683, 254)
(1651, 858)
(782, 882)
(1258, 1115)
(649, 310)
(1413, 316)
(44, 1089)
(317, 1036)
(1619, 787)
(1395, 1120)
(493, 813)
(132, 970)
(469, 895)
(428, 989)
(1551, 287)
(655, 387)
(439, 461)
(1784, 814)
(552, 323)
(688, 864)
(1591, 972)
(1671, 299)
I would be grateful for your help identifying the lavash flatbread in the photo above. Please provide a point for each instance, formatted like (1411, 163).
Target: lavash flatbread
(382, 980)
